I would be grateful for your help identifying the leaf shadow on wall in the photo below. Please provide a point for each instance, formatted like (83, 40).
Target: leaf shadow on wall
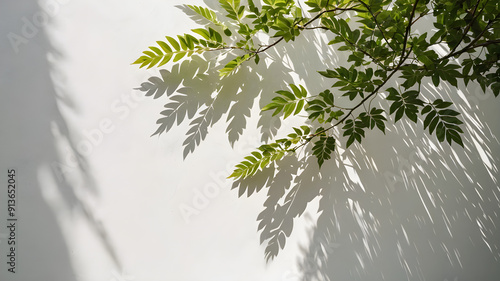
(33, 132)
(196, 94)
(416, 209)
(195, 91)
(388, 209)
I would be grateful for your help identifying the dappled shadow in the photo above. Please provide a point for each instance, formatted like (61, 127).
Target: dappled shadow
(426, 211)
(195, 90)
(400, 207)
(276, 220)
(196, 94)
(37, 142)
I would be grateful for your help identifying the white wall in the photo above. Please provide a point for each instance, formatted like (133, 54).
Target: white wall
(99, 199)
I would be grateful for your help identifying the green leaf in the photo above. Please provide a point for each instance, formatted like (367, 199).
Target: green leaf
(323, 148)
(321, 108)
(258, 160)
(495, 87)
(443, 121)
(373, 118)
(288, 102)
(354, 129)
(203, 32)
(300, 105)
(233, 65)
(209, 15)
(186, 46)
(288, 110)
(399, 113)
(426, 109)
(433, 124)
(435, 79)
(179, 56)
(232, 8)
(305, 129)
(174, 43)
(404, 103)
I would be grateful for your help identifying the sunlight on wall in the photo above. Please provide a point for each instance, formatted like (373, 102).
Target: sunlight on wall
(122, 205)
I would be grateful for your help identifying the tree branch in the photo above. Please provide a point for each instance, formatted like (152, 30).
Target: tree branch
(487, 43)
(407, 33)
(472, 45)
(467, 28)
(373, 93)
(353, 8)
(376, 61)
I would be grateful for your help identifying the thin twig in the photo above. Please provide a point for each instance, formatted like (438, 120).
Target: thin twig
(407, 33)
(472, 44)
(308, 23)
(467, 28)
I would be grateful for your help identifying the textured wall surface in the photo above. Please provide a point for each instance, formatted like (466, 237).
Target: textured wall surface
(98, 198)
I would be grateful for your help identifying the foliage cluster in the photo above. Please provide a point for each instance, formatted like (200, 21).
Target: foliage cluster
(382, 44)
(384, 47)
